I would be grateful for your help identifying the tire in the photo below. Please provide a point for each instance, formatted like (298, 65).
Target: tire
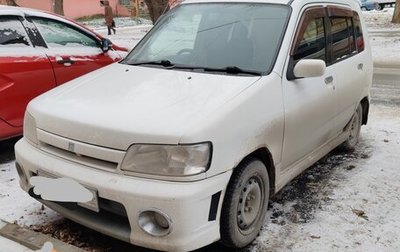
(245, 204)
(355, 128)
(363, 8)
(382, 6)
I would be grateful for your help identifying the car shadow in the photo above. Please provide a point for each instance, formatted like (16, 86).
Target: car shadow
(7, 150)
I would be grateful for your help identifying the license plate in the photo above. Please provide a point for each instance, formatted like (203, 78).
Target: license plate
(91, 205)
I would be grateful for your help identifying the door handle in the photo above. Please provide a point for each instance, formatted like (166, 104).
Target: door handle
(360, 66)
(65, 62)
(328, 80)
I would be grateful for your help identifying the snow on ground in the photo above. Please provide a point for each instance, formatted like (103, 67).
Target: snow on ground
(348, 202)
(322, 209)
(126, 37)
(17, 206)
(119, 22)
(378, 20)
(384, 36)
(129, 31)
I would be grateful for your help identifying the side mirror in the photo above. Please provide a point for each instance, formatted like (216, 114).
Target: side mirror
(307, 68)
(106, 45)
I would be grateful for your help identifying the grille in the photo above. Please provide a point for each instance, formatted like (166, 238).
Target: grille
(79, 158)
(79, 152)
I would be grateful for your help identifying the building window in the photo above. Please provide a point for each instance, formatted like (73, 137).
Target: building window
(125, 2)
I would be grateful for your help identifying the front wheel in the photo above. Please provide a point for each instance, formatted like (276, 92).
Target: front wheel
(355, 128)
(245, 204)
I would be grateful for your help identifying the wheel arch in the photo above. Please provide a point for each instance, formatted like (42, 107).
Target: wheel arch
(265, 156)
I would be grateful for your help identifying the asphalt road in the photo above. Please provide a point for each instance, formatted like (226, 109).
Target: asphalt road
(386, 87)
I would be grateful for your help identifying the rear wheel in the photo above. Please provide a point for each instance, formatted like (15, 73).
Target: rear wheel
(355, 128)
(363, 8)
(245, 204)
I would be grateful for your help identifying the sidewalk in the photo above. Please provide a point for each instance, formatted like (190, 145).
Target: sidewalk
(13, 238)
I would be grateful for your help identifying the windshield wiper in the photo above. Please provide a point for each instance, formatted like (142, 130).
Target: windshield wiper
(164, 63)
(169, 64)
(232, 70)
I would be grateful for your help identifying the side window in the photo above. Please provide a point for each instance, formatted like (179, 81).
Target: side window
(312, 44)
(311, 40)
(57, 34)
(341, 37)
(12, 33)
(359, 38)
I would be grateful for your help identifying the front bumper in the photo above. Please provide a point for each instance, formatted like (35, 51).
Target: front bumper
(188, 204)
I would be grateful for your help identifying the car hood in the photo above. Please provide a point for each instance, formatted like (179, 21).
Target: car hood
(120, 105)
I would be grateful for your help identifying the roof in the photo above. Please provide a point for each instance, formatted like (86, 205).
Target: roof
(24, 12)
(21, 11)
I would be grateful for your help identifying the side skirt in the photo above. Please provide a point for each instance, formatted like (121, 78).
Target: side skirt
(298, 167)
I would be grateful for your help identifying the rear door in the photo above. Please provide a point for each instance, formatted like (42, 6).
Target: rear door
(71, 50)
(348, 59)
(25, 70)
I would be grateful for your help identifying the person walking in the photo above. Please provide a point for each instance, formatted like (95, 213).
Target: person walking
(108, 16)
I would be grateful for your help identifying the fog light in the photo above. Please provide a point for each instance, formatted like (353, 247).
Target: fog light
(155, 223)
(21, 173)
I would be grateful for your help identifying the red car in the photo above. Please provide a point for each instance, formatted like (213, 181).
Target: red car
(39, 51)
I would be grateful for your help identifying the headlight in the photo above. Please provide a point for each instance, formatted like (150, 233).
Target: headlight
(168, 160)
(30, 128)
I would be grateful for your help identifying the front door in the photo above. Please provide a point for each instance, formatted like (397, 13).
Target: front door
(309, 103)
(71, 51)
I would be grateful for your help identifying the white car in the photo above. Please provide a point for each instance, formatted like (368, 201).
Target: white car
(218, 107)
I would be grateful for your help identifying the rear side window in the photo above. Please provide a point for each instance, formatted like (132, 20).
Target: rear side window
(12, 33)
(341, 37)
(359, 38)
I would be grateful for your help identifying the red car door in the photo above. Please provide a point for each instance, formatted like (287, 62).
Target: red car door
(25, 72)
(71, 50)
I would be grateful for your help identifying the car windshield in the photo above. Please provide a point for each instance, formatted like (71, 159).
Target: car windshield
(240, 37)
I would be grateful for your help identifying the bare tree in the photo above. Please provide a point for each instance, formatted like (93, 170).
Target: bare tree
(58, 7)
(11, 2)
(156, 8)
(396, 13)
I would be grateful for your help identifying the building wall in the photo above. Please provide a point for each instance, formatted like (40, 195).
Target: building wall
(76, 8)
(81, 8)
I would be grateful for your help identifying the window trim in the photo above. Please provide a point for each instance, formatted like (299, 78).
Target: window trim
(356, 15)
(308, 14)
(339, 11)
(312, 12)
(327, 12)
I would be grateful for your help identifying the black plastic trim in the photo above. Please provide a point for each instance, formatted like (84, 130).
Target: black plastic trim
(212, 216)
